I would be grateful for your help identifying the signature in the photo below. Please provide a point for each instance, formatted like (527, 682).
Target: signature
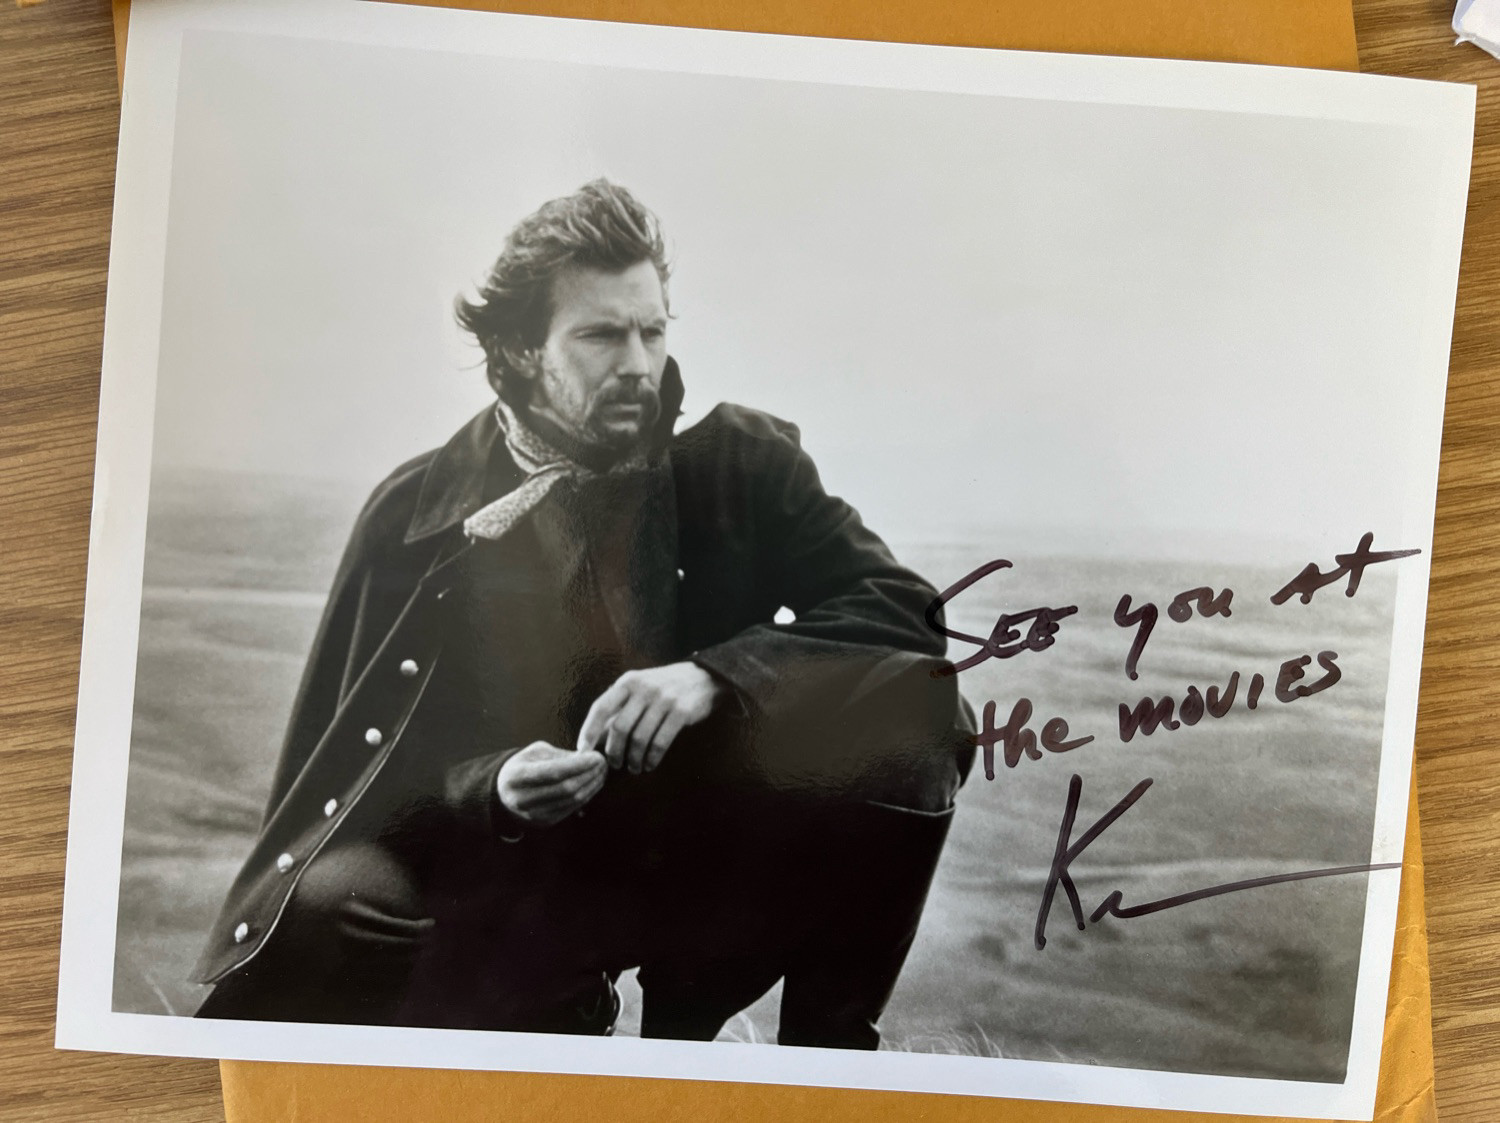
(1351, 565)
(1006, 640)
(1067, 852)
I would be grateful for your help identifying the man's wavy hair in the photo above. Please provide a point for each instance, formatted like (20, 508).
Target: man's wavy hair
(601, 226)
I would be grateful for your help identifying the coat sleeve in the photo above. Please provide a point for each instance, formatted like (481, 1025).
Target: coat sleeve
(855, 605)
(472, 798)
(842, 698)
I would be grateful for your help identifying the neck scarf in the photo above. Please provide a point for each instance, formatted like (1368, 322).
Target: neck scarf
(544, 465)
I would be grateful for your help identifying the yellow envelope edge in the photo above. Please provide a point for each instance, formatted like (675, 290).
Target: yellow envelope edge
(1310, 33)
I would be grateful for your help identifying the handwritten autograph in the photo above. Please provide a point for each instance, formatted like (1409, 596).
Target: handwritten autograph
(1149, 714)
(1018, 740)
(1006, 641)
(1067, 853)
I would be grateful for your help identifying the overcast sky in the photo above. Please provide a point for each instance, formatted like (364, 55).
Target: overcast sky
(1141, 329)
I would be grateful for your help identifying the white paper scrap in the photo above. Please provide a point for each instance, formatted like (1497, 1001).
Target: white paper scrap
(1478, 22)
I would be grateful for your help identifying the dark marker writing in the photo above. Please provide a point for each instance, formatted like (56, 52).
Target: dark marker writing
(1150, 714)
(1147, 716)
(1217, 705)
(1311, 579)
(1291, 671)
(1067, 851)
(1111, 904)
(1143, 619)
(1018, 739)
(1004, 639)
(1181, 608)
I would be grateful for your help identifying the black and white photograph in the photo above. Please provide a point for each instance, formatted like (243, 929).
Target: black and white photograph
(673, 553)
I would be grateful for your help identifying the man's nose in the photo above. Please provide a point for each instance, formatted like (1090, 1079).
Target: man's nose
(635, 360)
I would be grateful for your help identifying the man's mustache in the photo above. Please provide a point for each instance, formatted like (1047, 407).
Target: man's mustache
(642, 395)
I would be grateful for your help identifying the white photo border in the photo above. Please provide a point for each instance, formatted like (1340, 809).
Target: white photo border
(122, 477)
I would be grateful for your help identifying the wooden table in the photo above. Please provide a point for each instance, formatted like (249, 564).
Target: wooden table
(58, 118)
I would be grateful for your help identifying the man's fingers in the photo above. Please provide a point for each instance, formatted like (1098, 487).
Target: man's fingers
(544, 776)
(593, 787)
(572, 790)
(617, 741)
(561, 793)
(645, 732)
(666, 733)
(549, 805)
(543, 770)
(626, 721)
(601, 713)
(565, 786)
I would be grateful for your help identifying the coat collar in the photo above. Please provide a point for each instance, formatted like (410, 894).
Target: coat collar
(454, 484)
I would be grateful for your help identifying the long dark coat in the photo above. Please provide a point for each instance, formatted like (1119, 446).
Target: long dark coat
(835, 711)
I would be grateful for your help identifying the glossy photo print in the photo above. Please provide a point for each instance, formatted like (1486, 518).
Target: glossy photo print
(669, 553)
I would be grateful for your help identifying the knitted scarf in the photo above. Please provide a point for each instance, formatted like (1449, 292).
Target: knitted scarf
(544, 466)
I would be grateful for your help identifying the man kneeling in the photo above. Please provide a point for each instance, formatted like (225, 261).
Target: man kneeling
(591, 693)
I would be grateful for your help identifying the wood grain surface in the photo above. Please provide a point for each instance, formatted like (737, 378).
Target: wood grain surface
(58, 117)
(1458, 760)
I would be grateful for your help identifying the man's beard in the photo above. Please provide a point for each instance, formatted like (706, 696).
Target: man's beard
(598, 430)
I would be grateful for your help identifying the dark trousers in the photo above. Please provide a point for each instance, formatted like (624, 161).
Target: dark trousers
(826, 900)
(359, 943)
(825, 897)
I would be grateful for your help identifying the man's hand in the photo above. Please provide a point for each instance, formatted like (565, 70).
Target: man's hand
(636, 720)
(543, 784)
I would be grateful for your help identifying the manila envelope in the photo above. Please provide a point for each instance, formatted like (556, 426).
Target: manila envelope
(1312, 33)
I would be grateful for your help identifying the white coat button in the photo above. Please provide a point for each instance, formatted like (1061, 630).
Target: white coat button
(373, 738)
(409, 668)
(680, 575)
(241, 933)
(285, 863)
(329, 808)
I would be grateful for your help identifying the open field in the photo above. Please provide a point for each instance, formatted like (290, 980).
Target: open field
(1258, 983)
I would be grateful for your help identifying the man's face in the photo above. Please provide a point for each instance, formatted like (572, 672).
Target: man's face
(599, 372)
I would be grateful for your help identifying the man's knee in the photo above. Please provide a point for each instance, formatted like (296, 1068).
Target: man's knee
(341, 951)
(355, 898)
